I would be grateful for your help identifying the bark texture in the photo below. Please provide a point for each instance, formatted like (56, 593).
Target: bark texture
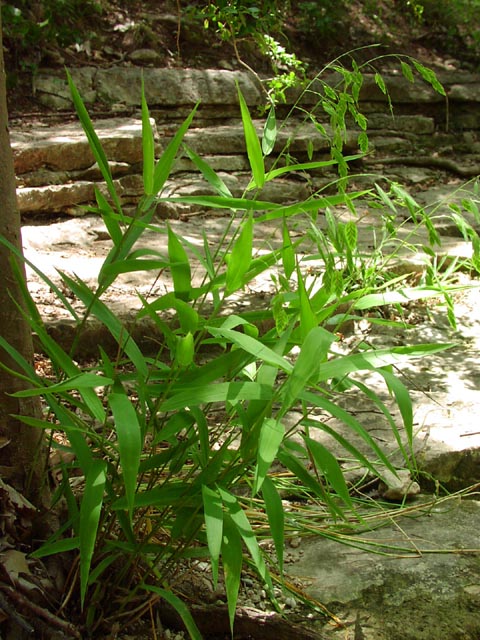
(22, 459)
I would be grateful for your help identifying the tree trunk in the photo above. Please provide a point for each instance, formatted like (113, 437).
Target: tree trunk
(22, 456)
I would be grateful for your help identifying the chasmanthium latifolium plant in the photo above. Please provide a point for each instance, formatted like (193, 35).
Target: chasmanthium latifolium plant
(179, 450)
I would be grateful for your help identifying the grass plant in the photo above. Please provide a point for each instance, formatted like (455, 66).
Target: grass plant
(179, 451)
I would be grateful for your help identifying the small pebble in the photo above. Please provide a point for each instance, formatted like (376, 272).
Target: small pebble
(290, 602)
(295, 542)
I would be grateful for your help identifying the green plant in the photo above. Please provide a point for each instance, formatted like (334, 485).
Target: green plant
(28, 28)
(176, 448)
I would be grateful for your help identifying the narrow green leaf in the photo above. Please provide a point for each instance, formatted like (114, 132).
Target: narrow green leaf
(109, 217)
(310, 361)
(209, 174)
(148, 145)
(271, 436)
(94, 142)
(90, 510)
(254, 150)
(231, 392)
(59, 546)
(327, 463)
(179, 266)
(288, 254)
(110, 320)
(244, 527)
(232, 559)
(253, 346)
(269, 132)
(80, 381)
(308, 319)
(129, 437)
(276, 518)
(240, 257)
(180, 607)
(165, 163)
(213, 513)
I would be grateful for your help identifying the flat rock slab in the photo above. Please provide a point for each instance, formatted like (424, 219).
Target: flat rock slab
(426, 588)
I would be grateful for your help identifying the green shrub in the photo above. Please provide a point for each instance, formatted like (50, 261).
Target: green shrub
(176, 450)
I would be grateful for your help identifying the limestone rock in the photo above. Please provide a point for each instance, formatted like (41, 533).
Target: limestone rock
(398, 487)
(66, 147)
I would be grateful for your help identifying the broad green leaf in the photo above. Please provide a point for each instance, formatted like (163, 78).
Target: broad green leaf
(276, 518)
(311, 359)
(129, 437)
(179, 266)
(254, 149)
(148, 146)
(240, 258)
(269, 132)
(180, 607)
(93, 141)
(90, 510)
(165, 163)
(271, 436)
(213, 513)
(80, 381)
(209, 174)
(327, 463)
(232, 559)
(252, 346)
